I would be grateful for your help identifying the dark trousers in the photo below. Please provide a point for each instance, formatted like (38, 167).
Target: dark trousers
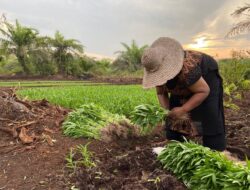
(215, 142)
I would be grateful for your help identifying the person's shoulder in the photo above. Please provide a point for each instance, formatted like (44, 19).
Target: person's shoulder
(204, 56)
(192, 58)
(208, 63)
(208, 58)
(192, 52)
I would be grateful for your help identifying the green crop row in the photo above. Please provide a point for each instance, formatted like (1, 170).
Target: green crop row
(113, 98)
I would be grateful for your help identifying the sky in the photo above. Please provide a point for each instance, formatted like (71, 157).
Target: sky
(101, 25)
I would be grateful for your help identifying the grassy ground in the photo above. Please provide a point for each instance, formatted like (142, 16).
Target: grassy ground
(233, 71)
(114, 98)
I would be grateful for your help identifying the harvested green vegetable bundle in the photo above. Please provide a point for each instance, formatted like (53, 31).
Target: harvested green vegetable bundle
(147, 117)
(201, 168)
(88, 120)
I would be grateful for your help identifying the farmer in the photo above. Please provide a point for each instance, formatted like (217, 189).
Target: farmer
(187, 82)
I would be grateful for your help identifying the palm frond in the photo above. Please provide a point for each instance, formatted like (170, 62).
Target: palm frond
(130, 57)
(5, 33)
(126, 46)
(239, 28)
(241, 10)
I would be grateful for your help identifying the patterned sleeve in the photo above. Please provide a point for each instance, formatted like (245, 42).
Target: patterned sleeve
(193, 76)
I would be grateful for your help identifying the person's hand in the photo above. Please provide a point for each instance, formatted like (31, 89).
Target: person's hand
(177, 112)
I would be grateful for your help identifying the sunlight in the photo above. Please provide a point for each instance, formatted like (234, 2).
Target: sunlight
(200, 43)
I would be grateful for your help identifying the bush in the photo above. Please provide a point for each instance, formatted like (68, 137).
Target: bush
(247, 74)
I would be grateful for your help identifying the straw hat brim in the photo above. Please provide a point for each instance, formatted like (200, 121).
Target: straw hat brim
(171, 64)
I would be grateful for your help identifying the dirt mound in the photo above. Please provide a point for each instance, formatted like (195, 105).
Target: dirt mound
(238, 128)
(131, 166)
(12, 108)
(123, 130)
(28, 121)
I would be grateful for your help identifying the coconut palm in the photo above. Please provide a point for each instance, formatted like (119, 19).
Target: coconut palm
(243, 25)
(64, 50)
(130, 58)
(18, 40)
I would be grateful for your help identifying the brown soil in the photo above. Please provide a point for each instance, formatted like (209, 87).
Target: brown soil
(127, 165)
(238, 127)
(37, 161)
(27, 121)
(25, 77)
(117, 80)
(33, 152)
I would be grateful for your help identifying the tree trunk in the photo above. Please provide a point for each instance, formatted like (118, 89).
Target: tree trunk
(21, 59)
(23, 63)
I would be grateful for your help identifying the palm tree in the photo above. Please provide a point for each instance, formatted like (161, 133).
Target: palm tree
(18, 40)
(64, 50)
(244, 25)
(130, 57)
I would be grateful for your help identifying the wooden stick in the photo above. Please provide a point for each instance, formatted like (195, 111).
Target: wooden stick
(9, 120)
(10, 131)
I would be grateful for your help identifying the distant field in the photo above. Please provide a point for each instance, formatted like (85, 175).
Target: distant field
(119, 99)
(26, 83)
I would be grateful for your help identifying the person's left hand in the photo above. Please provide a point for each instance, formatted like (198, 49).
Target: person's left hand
(177, 112)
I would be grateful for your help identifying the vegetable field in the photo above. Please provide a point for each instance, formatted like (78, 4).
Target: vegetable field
(74, 114)
(113, 98)
(82, 135)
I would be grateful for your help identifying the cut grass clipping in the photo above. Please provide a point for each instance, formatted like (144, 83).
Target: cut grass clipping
(88, 120)
(201, 168)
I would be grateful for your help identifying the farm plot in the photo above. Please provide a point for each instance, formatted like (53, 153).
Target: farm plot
(114, 98)
(55, 161)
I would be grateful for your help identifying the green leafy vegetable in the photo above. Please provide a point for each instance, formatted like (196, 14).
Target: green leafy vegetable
(88, 120)
(147, 116)
(201, 168)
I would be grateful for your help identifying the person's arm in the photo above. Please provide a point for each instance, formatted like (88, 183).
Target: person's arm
(162, 97)
(200, 90)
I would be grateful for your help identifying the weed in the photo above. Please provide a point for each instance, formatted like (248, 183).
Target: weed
(79, 156)
(70, 160)
(86, 156)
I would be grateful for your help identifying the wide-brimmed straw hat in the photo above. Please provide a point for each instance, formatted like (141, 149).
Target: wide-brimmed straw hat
(162, 61)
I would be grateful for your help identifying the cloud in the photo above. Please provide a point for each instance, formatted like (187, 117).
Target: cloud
(215, 29)
(102, 24)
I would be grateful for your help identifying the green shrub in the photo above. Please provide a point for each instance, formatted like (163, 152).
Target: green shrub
(245, 85)
(246, 75)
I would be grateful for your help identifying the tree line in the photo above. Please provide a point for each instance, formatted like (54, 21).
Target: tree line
(23, 50)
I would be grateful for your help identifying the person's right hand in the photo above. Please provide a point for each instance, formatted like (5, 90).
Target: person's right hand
(177, 112)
